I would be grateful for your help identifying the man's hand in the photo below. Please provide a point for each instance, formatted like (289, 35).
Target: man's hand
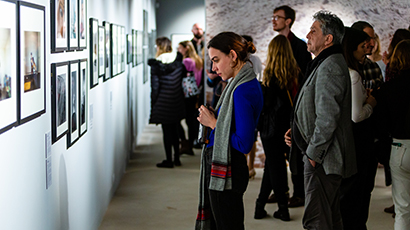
(312, 162)
(288, 139)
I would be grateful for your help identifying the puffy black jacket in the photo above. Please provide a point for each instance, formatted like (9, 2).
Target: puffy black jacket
(167, 97)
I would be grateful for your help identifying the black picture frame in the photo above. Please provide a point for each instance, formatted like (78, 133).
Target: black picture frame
(31, 91)
(82, 24)
(101, 51)
(59, 100)
(72, 25)
(83, 93)
(93, 52)
(107, 51)
(73, 133)
(129, 48)
(9, 74)
(59, 19)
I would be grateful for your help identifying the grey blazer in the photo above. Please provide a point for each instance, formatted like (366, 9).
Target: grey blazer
(323, 116)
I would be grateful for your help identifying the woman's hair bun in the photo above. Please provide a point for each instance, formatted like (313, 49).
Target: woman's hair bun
(251, 47)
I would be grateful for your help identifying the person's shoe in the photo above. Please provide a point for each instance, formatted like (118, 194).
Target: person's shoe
(296, 201)
(252, 174)
(389, 209)
(165, 164)
(186, 148)
(272, 198)
(177, 163)
(196, 145)
(282, 214)
(260, 212)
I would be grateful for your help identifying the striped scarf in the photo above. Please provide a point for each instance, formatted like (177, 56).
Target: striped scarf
(221, 157)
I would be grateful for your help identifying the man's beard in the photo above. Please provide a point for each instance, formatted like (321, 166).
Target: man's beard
(198, 36)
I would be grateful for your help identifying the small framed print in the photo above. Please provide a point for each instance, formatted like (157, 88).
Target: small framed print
(101, 49)
(114, 51)
(107, 53)
(59, 38)
(93, 52)
(72, 28)
(8, 64)
(32, 59)
(119, 51)
(73, 117)
(139, 46)
(123, 49)
(83, 92)
(134, 47)
(82, 24)
(129, 48)
(59, 100)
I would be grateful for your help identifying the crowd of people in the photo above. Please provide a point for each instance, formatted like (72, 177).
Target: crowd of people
(334, 118)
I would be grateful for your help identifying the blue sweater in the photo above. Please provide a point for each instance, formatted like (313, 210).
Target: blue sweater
(248, 103)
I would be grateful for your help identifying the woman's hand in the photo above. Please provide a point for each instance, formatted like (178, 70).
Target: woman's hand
(288, 139)
(384, 58)
(370, 99)
(206, 117)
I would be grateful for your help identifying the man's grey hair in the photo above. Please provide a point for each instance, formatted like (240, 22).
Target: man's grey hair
(330, 24)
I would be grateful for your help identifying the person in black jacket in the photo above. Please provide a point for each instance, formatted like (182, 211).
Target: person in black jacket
(167, 98)
(279, 86)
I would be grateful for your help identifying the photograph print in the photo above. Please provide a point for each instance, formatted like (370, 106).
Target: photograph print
(8, 66)
(107, 53)
(114, 51)
(134, 48)
(32, 61)
(139, 46)
(101, 49)
(73, 25)
(83, 92)
(59, 39)
(59, 100)
(129, 48)
(73, 101)
(123, 48)
(82, 24)
(93, 52)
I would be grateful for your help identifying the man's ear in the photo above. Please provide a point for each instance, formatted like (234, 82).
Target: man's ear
(288, 21)
(329, 39)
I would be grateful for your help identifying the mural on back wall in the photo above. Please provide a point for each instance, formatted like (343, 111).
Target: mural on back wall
(254, 17)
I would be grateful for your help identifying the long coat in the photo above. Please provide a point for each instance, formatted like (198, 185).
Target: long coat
(323, 116)
(167, 97)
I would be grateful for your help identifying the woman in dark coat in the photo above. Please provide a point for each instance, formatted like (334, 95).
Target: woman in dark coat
(167, 99)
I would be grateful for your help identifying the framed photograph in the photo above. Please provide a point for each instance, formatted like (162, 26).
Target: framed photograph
(73, 113)
(59, 12)
(59, 100)
(32, 59)
(82, 24)
(83, 92)
(139, 47)
(119, 48)
(134, 47)
(123, 48)
(107, 51)
(129, 48)
(114, 51)
(8, 65)
(93, 52)
(72, 28)
(101, 48)
(152, 46)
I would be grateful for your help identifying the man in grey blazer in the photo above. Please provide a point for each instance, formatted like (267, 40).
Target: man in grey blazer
(322, 124)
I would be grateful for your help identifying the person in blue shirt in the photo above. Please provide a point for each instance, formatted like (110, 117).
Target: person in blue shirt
(224, 171)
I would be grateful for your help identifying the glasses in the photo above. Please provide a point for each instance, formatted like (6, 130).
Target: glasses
(276, 17)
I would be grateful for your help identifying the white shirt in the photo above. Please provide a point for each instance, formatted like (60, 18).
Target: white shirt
(360, 109)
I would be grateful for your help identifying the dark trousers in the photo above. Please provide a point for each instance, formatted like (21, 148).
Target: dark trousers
(275, 173)
(322, 204)
(191, 113)
(170, 137)
(298, 179)
(227, 206)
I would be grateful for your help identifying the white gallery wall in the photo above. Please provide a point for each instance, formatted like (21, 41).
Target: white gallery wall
(84, 176)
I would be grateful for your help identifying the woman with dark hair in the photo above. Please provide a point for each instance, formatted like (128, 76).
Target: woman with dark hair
(279, 86)
(167, 98)
(393, 115)
(224, 172)
(356, 190)
(398, 36)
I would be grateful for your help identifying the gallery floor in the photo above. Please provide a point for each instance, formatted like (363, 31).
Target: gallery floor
(152, 198)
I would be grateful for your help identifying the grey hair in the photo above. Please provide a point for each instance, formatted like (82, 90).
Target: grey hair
(330, 24)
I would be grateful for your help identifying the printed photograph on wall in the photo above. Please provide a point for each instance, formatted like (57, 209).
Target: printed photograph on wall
(59, 39)
(114, 51)
(8, 66)
(119, 52)
(31, 68)
(152, 45)
(123, 48)
(93, 52)
(145, 47)
(129, 48)
(134, 48)
(107, 51)
(73, 99)
(101, 49)
(59, 100)
(139, 47)
(83, 109)
(82, 24)
(73, 25)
